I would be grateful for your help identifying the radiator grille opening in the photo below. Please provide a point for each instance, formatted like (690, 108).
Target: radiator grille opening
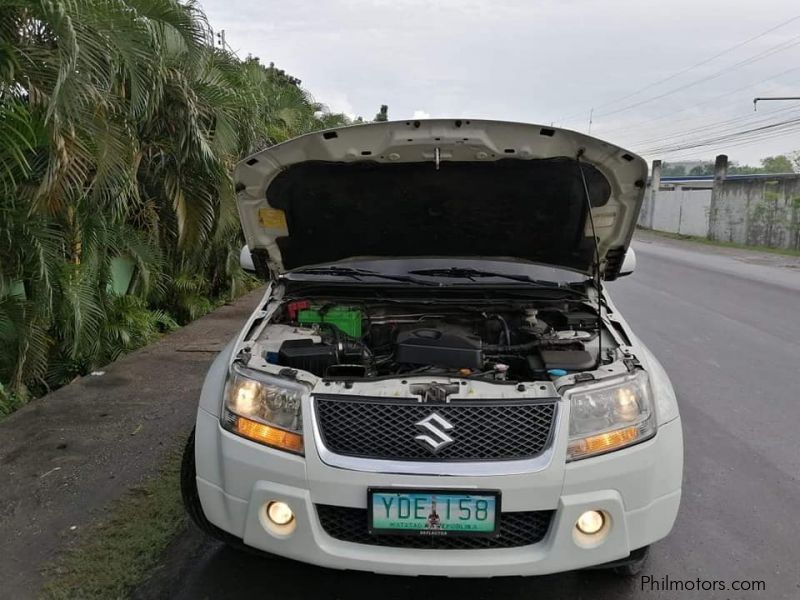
(482, 430)
(516, 529)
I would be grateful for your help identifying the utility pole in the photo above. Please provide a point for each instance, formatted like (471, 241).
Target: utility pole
(222, 42)
(591, 113)
(757, 100)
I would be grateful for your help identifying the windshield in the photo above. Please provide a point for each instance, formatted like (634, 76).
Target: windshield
(444, 271)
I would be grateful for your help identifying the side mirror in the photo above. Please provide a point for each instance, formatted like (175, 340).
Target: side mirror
(629, 264)
(246, 260)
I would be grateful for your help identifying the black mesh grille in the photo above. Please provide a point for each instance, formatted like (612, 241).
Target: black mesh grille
(385, 429)
(516, 529)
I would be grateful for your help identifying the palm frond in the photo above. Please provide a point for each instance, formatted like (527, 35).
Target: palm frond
(121, 123)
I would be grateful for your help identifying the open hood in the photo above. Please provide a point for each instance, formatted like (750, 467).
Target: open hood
(440, 188)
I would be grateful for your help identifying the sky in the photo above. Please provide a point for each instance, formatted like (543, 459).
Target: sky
(669, 80)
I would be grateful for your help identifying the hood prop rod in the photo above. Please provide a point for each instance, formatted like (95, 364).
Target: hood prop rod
(598, 280)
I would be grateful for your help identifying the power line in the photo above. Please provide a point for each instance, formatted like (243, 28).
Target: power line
(729, 124)
(714, 145)
(794, 41)
(637, 124)
(699, 154)
(702, 62)
(728, 145)
(691, 67)
(755, 131)
(768, 98)
(733, 124)
(752, 134)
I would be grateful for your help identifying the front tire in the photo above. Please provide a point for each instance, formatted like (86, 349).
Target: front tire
(191, 499)
(629, 566)
(634, 564)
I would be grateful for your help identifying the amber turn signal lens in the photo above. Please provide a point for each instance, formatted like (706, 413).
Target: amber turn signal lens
(271, 436)
(605, 442)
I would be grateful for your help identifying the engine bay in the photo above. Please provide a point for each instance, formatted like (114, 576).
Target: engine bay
(378, 340)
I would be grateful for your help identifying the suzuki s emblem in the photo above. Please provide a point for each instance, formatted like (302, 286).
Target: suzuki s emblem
(434, 432)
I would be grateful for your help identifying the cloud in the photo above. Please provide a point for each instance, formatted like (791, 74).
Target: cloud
(550, 61)
(336, 101)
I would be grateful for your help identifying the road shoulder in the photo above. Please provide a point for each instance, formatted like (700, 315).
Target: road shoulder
(67, 457)
(763, 267)
(749, 255)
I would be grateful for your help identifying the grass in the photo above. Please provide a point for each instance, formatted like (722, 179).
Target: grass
(706, 241)
(112, 556)
(10, 401)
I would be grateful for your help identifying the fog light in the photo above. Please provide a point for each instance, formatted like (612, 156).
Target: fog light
(280, 513)
(590, 522)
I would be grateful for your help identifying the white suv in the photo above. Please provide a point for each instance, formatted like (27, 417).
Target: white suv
(436, 382)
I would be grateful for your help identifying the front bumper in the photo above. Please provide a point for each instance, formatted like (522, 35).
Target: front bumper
(639, 488)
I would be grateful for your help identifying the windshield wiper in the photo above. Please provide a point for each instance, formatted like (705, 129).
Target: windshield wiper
(473, 274)
(357, 274)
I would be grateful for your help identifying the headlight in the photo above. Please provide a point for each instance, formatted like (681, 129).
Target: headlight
(265, 409)
(610, 415)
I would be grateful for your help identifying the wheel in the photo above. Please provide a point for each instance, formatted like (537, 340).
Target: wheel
(191, 499)
(625, 567)
(634, 564)
(191, 503)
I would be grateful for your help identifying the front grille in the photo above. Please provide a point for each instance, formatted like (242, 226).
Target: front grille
(516, 529)
(482, 430)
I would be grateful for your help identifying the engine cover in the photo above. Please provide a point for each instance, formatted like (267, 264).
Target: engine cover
(443, 346)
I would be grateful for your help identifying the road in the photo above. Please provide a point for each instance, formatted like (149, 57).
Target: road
(725, 325)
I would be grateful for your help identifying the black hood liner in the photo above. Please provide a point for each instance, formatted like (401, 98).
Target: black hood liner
(528, 209)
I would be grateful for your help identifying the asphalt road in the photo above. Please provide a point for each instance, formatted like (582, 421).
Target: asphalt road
(726, 326)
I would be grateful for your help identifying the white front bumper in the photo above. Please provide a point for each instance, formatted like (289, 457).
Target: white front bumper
(639, 488)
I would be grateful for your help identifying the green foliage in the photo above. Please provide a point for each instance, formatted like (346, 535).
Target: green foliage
(702, 169)
(771, 164)
(109, 558)
(724, 244)
(10, 401)
(777, 164)
(121, 123)
(668, 170)
(383, 114)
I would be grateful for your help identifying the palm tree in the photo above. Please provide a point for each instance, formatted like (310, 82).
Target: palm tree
(121, 124)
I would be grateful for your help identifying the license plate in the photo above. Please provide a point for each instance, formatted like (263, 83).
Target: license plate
(433, 512)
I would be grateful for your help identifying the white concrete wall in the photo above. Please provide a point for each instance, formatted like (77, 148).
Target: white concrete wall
(696, 205)
(758, 210)
(682, 211)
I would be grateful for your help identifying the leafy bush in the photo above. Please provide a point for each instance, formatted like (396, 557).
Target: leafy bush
(121, 123)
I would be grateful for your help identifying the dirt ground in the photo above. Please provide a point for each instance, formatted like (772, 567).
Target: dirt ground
(65, 457)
